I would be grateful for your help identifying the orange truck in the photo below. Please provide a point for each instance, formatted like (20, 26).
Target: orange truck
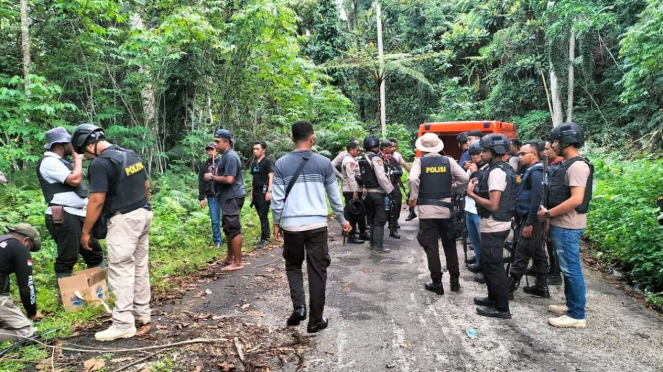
(448, 131)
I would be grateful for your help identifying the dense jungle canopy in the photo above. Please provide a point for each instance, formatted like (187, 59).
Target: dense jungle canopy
(160, 75)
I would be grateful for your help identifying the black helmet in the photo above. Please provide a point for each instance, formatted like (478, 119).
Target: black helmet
(499, 143)
(82, 133)
(371, 142)
(475, 148)
(461, 137)
(568, 133)
(356, 208)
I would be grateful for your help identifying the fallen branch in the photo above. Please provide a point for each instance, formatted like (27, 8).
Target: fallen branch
(107, 350)
(138, 361)
(268, 263)
(240, 353)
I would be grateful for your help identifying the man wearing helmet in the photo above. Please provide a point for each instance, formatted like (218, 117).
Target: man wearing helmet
(495, 196)
(66, 193)
(15, 248)
(379, 187)
(351, 193)
(568, 202)
(463, 144)
(431, 187)
(119, 190)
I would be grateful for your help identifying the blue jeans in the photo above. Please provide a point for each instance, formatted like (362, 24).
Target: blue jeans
(473, 231)
(567, 245)
(214, 206)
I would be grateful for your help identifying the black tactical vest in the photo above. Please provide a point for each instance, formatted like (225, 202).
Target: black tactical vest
(129, 192)
(368, 177)
(435, 179)
(559, 193)
(507, 203)
(50, 189)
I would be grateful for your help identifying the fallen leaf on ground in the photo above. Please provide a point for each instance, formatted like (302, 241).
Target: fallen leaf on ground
(199, 294)
(329, 352)
(162, 327)
(269, 269)
(203, 316)
(199, 367)
(227, 366)
(208, 291)
(246, 306)
(143, 330)
(93, 365)
(405, 344)
(346, 286)
(255, 314)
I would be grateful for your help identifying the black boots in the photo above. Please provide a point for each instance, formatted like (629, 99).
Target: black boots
(435, 287)
(513, 286)
(377, 236)
(541, 287)
(455, 282)
(297, 316)
(363, 236)
(493, 312)
(555, 278)
(474, 268)
(411, 216)
(393, 233)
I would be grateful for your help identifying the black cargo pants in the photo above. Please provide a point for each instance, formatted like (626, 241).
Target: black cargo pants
(430, 231)
(67, 236)
(530, 249)
(492, 264)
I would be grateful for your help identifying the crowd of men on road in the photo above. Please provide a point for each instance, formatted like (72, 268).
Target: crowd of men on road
(542, 196)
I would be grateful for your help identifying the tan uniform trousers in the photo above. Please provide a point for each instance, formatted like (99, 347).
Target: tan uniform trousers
(13, 323)
(127, 242)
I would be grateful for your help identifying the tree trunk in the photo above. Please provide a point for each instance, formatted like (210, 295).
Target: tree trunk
(25, 44)
(556, 99)
(381, 94)
(572, 56)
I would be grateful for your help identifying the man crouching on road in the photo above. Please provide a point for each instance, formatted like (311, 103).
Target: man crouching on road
(303, 218)
(431, 190)
(119, 189)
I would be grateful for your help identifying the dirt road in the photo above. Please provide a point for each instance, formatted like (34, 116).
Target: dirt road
(382, 319)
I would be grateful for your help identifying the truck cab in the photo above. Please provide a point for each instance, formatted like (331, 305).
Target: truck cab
(447, 131)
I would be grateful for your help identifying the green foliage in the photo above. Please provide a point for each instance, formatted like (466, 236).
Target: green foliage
(533, 125)
(622, 221)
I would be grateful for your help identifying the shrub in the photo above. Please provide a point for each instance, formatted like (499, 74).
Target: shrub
(622, 221)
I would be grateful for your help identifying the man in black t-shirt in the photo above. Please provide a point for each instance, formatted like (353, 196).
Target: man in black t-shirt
(262, 171)
(119, 190)
(15, 248)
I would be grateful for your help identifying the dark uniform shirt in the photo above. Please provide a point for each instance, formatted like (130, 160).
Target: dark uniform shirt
(16, 258)
(230, 165)
(260, 172)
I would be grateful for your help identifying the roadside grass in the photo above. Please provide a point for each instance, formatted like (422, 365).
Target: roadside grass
(180, 245)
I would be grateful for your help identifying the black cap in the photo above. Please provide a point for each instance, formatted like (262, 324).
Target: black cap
(385, 143)
(210, 145)
(224, 133)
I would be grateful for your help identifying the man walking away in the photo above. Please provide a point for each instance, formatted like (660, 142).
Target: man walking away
(262, 171)
(66, 193)
(15, 248)
(229, 181)
(379, 188)
(495, 195)
(206, 190)
(304, 221)
(531, 230)
(351, 193)
(431, 190)
(568, 203)
(119, 189)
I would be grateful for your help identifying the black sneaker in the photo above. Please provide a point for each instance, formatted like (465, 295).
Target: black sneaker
(555, 279)
(262, 244)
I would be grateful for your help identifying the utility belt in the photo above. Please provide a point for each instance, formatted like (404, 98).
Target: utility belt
(435, 202)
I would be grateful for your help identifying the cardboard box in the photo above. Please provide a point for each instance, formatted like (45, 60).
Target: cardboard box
(84, 286)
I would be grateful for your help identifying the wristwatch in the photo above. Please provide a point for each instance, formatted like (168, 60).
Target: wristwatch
(547, 214)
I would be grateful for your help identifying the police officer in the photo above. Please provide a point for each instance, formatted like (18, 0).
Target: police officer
(119, 190)
(207, 191)
(568, 202)
(66, 193)
(530, 244)
(495, 194)
(431, 180)
(351, 193)
(463, 145)
(379, 187)
(394, 172)
(15, 248)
